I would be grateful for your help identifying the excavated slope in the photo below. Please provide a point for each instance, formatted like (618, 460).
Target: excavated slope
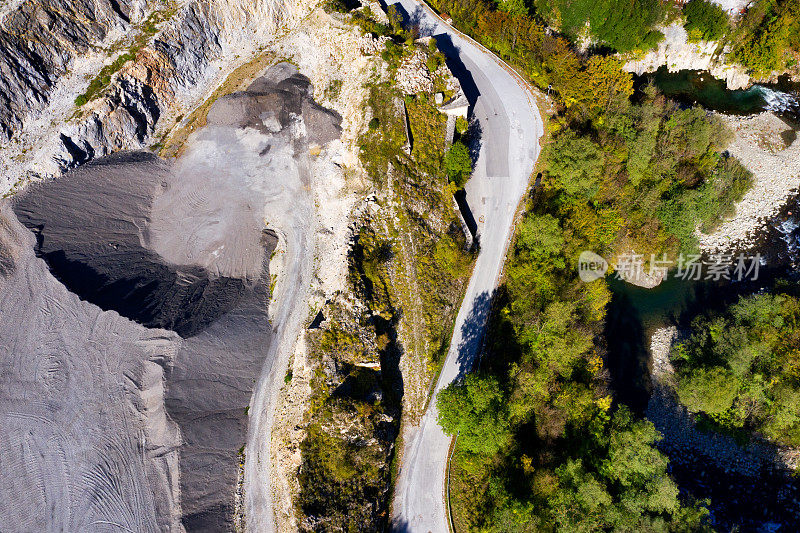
(51, 50)
(134, 322)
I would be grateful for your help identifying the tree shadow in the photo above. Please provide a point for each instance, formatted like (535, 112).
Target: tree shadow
(474, 138)
(399, 525)
(473, 331)
(466, 211)
(417, 20)
(627, 353)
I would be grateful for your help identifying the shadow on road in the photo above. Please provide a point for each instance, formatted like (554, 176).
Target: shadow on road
(417, 20)
(472, 331)
(456, 65)
(466, 212)
(445, 44)
(399, 525)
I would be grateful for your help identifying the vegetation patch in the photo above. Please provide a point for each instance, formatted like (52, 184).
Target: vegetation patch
(542, 442)
(621, 24)
(407, 265)
(705, 21)
(103, 79)
(740, 368)
(768, 37)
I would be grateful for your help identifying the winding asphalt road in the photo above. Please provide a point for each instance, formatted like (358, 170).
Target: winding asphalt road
(511, 127)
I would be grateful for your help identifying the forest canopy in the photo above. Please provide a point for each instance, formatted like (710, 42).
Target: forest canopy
(740, 367)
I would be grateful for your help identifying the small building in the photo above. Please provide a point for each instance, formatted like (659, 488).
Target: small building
(457, 106)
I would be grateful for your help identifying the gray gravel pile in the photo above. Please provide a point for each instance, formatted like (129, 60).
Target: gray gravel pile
(134, 323)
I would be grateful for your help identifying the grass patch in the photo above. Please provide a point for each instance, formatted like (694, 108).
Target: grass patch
(468, 484)
(103, 79)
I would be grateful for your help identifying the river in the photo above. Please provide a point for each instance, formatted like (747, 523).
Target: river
(768, 500)
(696, 87)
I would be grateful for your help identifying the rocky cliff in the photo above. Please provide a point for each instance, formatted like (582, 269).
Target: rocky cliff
(677, 53)
(139, 64)
(42, 40)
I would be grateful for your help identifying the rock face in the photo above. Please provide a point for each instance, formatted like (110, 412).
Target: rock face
(192, 49)
(130, 346)
(677, 53)
(40, 40)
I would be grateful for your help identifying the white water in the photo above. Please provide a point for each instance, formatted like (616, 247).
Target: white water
(778, 101)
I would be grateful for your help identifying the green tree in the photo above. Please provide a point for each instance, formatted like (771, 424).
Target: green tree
(475, 409)
(575, 163)
(542, 238)
(458, 163)
(741, 368)
(620, 483)
(632, 461)
(709, 390)
(514, 7)
(768, 36)
(705, 20)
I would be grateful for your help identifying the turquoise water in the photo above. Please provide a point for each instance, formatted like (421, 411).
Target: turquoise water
(699, 87)
(656, 306)
(695, 86)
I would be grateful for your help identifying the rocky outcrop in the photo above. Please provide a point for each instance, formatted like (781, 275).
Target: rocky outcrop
(414, 75)
(40, 41)
(190, 52)
(677, 53)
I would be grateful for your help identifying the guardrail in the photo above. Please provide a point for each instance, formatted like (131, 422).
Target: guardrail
(449, 509)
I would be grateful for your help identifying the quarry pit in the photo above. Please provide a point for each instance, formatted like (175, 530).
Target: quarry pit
(136, 318)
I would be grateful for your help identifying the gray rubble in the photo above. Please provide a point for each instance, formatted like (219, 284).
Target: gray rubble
(134, 322)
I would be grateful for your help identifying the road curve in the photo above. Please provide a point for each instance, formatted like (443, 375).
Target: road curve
(511, 127)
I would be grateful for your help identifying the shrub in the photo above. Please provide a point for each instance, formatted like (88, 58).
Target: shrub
(458, 163)
(462, 125)
(705, 20)
(103, 79)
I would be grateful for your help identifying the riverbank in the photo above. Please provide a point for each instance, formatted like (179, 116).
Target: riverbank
(750, 485)
(769, 148)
